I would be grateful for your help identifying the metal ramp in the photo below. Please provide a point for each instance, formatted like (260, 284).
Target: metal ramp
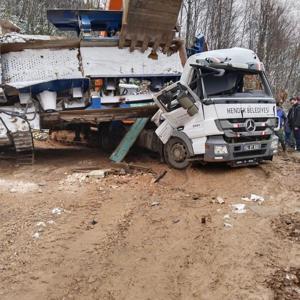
(129, 139)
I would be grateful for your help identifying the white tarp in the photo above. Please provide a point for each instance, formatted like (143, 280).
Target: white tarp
(112, 61)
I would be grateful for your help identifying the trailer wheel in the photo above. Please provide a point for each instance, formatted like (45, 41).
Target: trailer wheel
(176, 154)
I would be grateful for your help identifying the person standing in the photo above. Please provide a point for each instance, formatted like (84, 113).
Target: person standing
(296, 123)
(288, 132)
(282, 120)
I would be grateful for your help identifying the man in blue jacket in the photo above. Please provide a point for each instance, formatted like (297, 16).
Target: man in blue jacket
(282, 119)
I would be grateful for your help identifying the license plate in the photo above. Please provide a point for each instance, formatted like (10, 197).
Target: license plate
(252, 147)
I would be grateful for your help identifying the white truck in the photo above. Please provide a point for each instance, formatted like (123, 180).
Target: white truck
(221, 110)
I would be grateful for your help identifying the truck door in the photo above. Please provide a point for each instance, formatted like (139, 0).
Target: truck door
(178, 103)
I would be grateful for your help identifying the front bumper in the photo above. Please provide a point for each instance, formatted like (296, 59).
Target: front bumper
(240, 153)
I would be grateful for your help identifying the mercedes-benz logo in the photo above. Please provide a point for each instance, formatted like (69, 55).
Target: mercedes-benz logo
(250, 125)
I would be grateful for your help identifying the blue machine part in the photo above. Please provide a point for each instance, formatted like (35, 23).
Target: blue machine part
(198, 47)
(85, 20)
(57, 85)
(95, 103)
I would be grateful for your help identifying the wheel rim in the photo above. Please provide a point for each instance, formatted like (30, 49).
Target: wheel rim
(178, 153)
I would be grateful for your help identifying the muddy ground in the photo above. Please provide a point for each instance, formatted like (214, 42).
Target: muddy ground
(64, 236)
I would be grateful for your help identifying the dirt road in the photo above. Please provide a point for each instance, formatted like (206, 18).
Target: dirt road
(64, 236)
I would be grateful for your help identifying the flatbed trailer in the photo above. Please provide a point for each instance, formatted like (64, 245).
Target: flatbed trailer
(95, 117)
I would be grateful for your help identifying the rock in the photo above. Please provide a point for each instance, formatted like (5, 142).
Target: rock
(239, 208)
(57, 211)
(220, 200)
(93, 222)
(155, 203)
(228, 225)
(36, 235)
(226, 217)
(40, 224)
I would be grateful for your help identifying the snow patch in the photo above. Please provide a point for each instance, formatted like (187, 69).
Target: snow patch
(14, 37)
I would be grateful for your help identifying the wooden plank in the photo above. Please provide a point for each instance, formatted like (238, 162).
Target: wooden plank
(129, 139)
(40, 44)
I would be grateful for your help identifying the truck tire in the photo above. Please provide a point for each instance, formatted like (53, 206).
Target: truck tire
(176, 153)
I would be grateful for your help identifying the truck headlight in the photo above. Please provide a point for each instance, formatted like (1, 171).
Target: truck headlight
(220, 150)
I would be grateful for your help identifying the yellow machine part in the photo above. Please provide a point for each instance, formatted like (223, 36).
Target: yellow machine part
(150, 23)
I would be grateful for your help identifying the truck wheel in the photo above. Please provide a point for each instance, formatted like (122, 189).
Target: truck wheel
(176, 154)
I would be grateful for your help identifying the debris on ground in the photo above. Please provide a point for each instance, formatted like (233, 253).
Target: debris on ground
(239, 208)
(160, 176)
(220, 200)
(57, 211)
(129, 167)
(155, 203)
(36, 235)
(253, 198)
(205, 219)
(228, 225)
(93, 222)
(286, 284)
(40, 224)
(226, 217)
(288, 226)
(99, 173)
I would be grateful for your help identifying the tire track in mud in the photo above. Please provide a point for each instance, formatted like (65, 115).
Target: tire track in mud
(86, 256)
(139, 251)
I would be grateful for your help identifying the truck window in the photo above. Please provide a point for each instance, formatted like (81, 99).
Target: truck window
(169, 98)
(195, 84)
(235, 83)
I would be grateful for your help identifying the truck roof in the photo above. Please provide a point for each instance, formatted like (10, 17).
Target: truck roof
(232, 55)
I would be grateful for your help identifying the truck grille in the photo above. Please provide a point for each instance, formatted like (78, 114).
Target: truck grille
(235, 130)
(249, 153)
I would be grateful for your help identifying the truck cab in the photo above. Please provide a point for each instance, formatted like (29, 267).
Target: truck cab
(221, 110)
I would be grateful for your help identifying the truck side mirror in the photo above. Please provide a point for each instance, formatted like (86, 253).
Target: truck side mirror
(187, 103)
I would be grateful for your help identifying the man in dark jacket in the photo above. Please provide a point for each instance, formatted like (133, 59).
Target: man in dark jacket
(294, 120)
(282, 120)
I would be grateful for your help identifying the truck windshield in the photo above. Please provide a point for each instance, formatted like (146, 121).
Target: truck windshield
(235, 83)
